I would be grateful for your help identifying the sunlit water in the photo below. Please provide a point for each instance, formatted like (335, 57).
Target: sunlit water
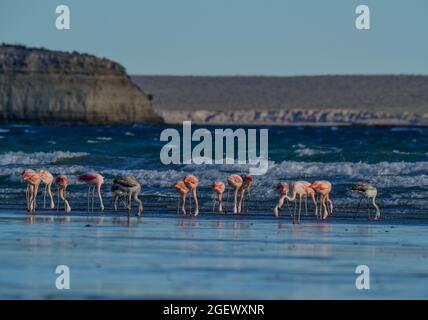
(163, 255)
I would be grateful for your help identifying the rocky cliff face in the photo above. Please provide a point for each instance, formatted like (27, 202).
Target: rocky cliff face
(43, 86)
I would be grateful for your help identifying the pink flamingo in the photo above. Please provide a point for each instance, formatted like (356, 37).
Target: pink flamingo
(182, 189)
(218, 189)
(302, 189)
(283, 189)
(47, 179)
(33, 181)
(93, 179)
(324, 188)
(62, 183)
(192, 183)
(247, 181)
(235, 182)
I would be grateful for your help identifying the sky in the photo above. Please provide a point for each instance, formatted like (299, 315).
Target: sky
(231, 37)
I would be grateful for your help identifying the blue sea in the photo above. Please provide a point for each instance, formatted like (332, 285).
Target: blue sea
(255, 255)
(394, 159)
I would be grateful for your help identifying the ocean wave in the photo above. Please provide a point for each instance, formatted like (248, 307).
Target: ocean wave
(37, 158)
(104, 138)
(409, 129)
(304, 151)
(401, 152)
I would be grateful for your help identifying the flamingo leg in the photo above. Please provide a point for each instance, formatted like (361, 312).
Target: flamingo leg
(67, 207)
(44, 196)
(115, 200)
(213, 198)
(51, 196)
(93, 199)
(227, 200)
(27, 196)
(195, 197)
(235, 201)
(295, 209)
(36, 191)
(300, 207)
(330, 203)
(323, 203)
(101, 198)
(306, 204)
(89, 192)
(288, 206)
(178, 203)
(314, 200)
(183, 207)
(241, 200)
(220, 202)
(140, 203)
(129, 202)
(58, 203)
(368, 208)
(190, 203)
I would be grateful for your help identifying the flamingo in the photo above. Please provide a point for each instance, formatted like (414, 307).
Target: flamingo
(302, 189)
(247, 180)
(218, 189)
(370, 192)
(129, 186)
(324, 188)
(47, 179)
(235, 182)
(93, 179)
(181, 188)
(283, 189)
(33, 181)
(62, 183)
(192, 183)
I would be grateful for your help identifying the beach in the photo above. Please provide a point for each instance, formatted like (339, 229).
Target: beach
(165, 256)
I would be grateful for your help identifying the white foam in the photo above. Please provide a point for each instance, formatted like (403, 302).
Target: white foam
(37, 158)
(104, 138)
(304, 151)
(400, 152)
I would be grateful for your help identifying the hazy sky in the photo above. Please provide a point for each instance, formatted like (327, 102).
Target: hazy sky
(231, 37)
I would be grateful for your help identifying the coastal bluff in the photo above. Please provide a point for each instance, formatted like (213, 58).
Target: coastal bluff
(396, 100)
(54, 87)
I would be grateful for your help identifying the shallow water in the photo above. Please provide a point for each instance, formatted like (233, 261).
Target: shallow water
(214, 257)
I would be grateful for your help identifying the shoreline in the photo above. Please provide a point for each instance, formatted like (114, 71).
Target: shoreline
(419, 219)
(210, 259)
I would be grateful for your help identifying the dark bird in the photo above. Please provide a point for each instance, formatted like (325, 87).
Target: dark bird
(127, 186)
(370, 192)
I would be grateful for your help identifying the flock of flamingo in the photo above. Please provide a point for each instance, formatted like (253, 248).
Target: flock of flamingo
(128, 187)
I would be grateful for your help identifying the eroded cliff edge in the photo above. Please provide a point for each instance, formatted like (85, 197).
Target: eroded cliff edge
(44, 86)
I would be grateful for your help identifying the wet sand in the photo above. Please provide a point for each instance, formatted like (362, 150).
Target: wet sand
(160, 256)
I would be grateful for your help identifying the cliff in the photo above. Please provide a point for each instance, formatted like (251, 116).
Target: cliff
(43, 86)
(312, 100)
